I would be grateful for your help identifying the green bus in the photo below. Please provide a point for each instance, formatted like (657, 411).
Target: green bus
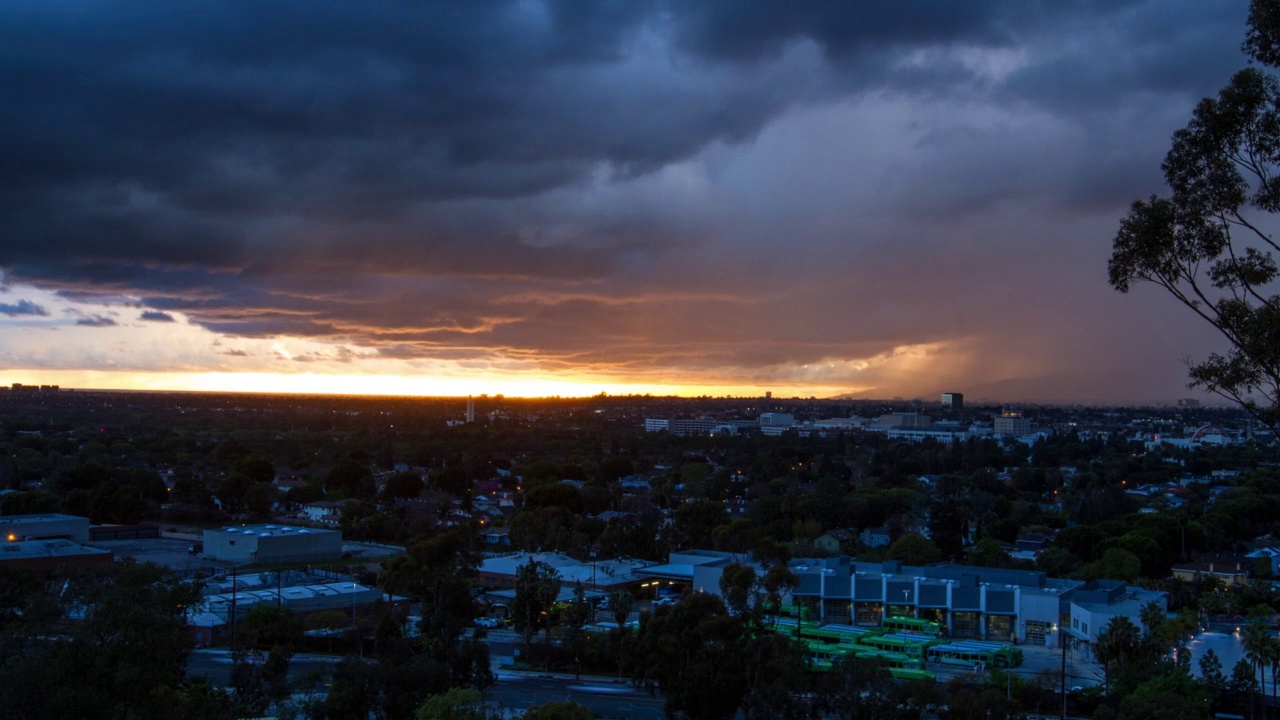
(911, 674)
(792, 611)
(823, 656)
(913, 646)
(975, 653)
(842, 634)
(919, 626)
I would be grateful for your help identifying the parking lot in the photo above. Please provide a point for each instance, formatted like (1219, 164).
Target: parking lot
(169, 552)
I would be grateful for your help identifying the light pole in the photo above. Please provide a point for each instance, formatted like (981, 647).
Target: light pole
(593, 569)
(1062, 640)
(233, 608)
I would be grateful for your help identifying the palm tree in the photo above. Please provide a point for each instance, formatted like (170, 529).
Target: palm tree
(1154, 622)
(621, 602)
(1257, 640)
(1273, 659)
(1152, 617)
(1119, 640)
(1180, 593)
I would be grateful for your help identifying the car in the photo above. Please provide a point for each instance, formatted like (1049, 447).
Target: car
(664, 601)
(488, 622)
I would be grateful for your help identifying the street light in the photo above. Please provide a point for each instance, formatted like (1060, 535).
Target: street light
(1062, 641)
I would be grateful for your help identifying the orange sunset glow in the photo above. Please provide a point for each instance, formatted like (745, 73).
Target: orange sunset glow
(507, 198)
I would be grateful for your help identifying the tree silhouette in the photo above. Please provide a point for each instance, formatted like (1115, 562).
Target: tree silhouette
(537, 585)
(1206, 244)
(1119, 641)
(1257, 643)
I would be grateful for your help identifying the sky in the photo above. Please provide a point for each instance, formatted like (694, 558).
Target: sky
(546, 197)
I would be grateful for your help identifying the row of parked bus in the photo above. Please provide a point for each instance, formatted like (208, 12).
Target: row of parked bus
(908, 645)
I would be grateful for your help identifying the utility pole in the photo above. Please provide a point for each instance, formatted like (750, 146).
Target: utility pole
(1062, 639)
(233, 608)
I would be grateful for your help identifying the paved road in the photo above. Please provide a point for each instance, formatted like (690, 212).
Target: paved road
(513, 694)
(518, 692)
(216, 664)
(608, 698)
(168, 552)
(1038, 661)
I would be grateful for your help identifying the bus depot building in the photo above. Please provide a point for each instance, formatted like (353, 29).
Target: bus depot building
(1018, 606)
(268, 544)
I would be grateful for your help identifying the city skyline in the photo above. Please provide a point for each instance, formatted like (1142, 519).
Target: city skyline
(536, 199)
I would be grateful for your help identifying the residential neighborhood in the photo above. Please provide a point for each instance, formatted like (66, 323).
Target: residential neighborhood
(1042, 545)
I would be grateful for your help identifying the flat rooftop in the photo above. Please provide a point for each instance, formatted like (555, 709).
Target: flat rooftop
(33, 549)
(273, 530)
(39, 517)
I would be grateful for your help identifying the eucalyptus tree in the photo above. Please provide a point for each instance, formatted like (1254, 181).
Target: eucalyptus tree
(1207, 243)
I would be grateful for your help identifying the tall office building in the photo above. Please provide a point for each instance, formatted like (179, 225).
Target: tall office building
(953, 400)
(1011, 422)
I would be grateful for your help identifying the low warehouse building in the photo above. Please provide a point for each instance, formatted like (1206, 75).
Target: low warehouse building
(268, 544)
(45, 556)
(45, 526)
(211, 620)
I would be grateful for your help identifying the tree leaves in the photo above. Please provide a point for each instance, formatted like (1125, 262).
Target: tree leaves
(1206, 244)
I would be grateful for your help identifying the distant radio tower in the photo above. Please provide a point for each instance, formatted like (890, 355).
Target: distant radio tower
(471, 410)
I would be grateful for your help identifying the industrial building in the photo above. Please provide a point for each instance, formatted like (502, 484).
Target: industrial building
(1022, 606)
(45, 526)
(691, 427)
(268, 544)
(45, 556)
(212, 622)
(499, 571)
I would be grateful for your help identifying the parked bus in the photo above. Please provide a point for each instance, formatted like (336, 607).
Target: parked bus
(842, 634)
(919, 626)
(792, 611)
(823, 656)
(926, 640)
(913, 645)
(911, 674)
(976, 653)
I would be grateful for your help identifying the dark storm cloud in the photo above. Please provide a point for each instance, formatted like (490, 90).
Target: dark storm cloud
(156, 316)
(22, 307)
(1185, 49)
(95, 321)
(748, 30)
(434, 179)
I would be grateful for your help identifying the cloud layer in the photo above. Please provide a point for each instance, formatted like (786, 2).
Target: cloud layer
(901, 197)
